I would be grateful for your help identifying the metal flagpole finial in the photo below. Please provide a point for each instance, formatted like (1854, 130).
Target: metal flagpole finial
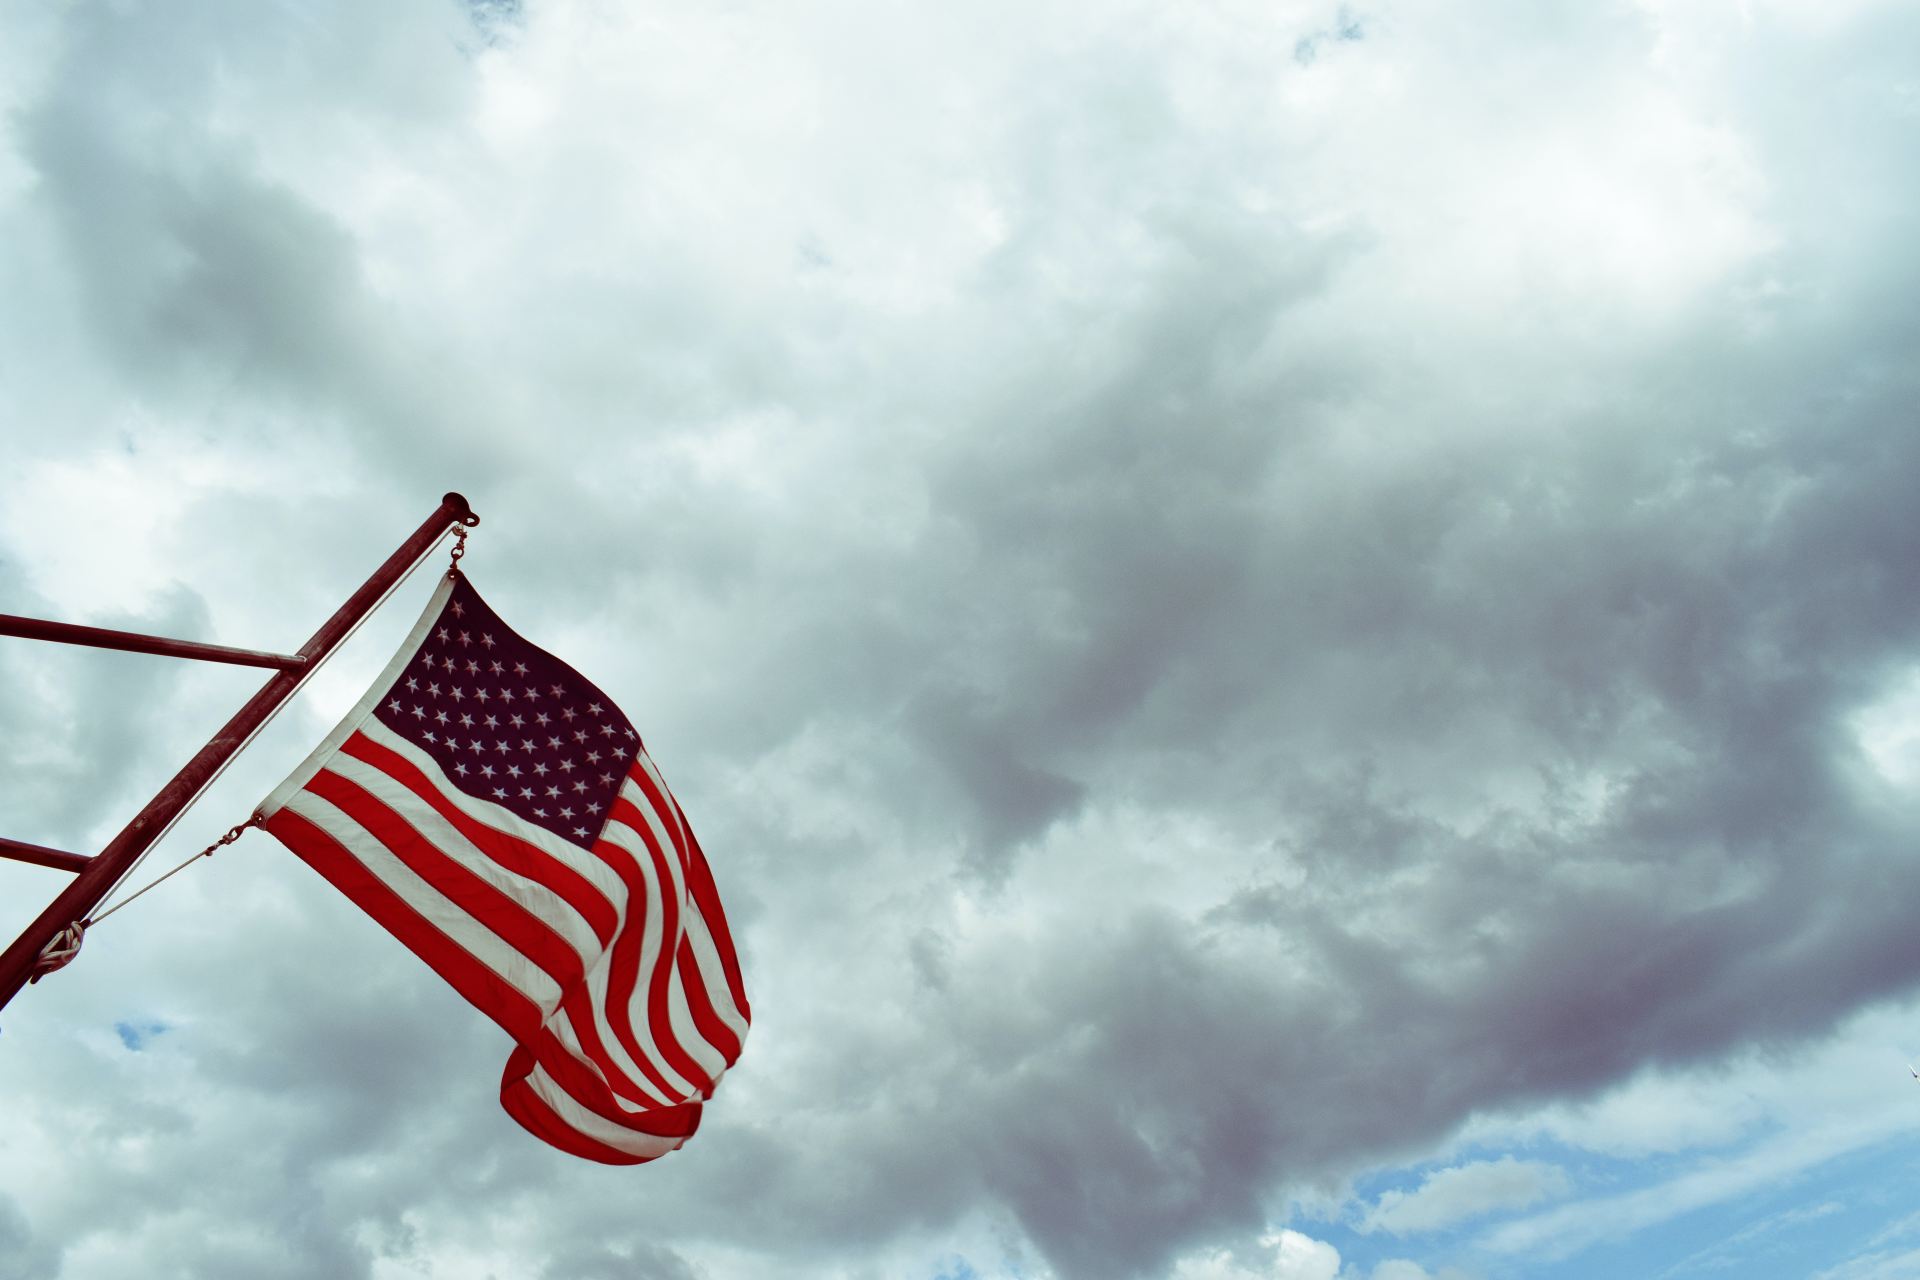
(462, 511)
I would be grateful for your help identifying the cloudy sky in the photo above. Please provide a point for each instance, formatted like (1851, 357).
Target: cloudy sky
(1293, 628)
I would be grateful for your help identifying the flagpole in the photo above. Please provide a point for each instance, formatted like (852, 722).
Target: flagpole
(102, 872)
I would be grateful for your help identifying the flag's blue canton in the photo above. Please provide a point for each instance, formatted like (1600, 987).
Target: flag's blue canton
(511, 723)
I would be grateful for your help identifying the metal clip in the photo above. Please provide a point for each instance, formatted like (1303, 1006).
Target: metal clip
(234, 833)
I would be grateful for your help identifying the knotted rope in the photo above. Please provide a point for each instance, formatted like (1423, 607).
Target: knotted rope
(59, 952)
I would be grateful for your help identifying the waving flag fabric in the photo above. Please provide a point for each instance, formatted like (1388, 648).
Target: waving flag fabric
(495, 812)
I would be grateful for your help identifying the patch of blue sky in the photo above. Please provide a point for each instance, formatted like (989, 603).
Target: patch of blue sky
(136, 1035)
(1847, 1217)
(1819, 1220)
(956, 1269)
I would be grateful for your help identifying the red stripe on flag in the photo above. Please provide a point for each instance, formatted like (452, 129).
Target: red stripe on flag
(698, 884)
(659, 1017)
(514, 854)
(486, 990)
(700, 1004)
(707, 898)
(623, 963)
(495, 910)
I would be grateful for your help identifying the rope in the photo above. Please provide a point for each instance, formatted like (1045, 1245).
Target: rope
(227, 839)
(59, 952)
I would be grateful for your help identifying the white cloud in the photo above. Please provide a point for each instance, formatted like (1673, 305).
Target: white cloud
(1400, 1269)
(1280, 1255)
(1888, 731)
(1447, 1196)
(1875, 1266)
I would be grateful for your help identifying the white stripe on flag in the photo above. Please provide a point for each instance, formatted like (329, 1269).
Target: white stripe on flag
(628, 841)
(713, 974)
(546, 906)
(671, 833)
(433, 907)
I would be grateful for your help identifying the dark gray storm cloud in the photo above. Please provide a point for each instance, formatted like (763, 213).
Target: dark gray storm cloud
(1175, 576)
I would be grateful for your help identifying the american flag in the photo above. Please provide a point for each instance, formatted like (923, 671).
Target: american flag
(494, 811)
